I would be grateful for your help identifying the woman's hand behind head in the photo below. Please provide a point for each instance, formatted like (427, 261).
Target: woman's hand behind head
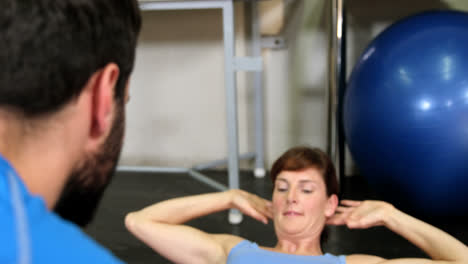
(361, 214)
(251, 205)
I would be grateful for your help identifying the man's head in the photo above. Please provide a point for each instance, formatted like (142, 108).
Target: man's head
(50, 48)
(52, 52)
(86, 184)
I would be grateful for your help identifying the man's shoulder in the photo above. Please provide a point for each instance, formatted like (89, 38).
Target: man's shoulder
(50, 238)
(57, 240)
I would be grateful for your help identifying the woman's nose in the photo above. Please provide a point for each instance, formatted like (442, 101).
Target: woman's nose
(292, 196)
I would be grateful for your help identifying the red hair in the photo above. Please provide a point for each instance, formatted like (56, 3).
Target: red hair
(301, 158)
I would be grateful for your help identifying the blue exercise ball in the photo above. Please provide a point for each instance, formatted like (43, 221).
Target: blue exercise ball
(405, 113)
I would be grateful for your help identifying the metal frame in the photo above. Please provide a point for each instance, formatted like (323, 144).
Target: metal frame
(281, 40)
(232, 64)
(337, 85)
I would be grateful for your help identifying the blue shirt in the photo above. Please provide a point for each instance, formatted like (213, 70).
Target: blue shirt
(30, 233)
(247, 252)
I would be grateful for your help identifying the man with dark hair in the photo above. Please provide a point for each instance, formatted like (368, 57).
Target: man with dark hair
(64, 72)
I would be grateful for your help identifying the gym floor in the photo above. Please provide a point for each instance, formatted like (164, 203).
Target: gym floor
(133, 191)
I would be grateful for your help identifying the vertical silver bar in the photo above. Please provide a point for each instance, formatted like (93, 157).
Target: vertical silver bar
(335, 67)
(231, 103)
(231, 94)
(259, 170)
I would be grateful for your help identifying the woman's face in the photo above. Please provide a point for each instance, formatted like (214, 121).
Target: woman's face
(300, 203)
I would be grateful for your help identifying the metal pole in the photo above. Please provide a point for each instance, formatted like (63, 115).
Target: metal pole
(231, 103)
(202, 178)
(336, 77)
(259, 170)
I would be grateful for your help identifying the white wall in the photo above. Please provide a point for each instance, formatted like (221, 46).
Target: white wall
(176, 116)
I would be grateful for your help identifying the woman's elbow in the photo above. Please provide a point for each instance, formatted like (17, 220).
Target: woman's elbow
(130, 221)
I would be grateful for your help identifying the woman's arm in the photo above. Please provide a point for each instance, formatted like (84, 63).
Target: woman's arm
(160, 225)
(440, 246)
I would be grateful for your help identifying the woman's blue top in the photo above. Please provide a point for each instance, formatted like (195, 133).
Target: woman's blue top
(247, 252)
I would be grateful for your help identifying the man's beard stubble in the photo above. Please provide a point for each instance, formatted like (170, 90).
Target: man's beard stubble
(85, 186)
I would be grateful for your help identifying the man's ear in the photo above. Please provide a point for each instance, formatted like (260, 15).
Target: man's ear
(102, 103)
(332, 204)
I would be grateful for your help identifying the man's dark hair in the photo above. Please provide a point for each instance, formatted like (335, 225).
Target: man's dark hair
(50, 48)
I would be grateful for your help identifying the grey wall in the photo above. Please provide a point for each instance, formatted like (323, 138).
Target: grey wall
(176, 116)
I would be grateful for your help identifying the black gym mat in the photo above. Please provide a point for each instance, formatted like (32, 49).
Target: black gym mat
(133, 191)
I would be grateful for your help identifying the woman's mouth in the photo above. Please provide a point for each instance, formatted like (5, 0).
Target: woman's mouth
(291, 213)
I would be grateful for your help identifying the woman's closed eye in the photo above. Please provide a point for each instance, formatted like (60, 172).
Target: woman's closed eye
(281, 189)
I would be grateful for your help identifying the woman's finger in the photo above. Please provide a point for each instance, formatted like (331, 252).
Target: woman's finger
(262, 206)
(256, 214)
(342, 209)
(338, 219)
(261, 209)
(351, 202)
(268, 210)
